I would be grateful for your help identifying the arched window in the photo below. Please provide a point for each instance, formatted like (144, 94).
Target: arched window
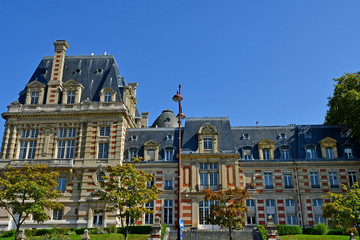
(204, 211)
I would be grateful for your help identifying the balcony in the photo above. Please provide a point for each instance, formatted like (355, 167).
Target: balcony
(49, 162)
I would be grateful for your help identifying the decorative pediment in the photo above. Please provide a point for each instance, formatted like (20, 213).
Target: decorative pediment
(151, 143)
(327, 141)
(266, 142)
(72, 84)
(207, 129)
(35, 84)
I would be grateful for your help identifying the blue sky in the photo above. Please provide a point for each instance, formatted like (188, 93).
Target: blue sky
(267, 61)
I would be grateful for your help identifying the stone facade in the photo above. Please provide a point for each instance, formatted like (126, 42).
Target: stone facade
(78, 116)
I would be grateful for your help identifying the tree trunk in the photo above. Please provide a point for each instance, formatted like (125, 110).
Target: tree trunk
(231, 237)
(358, 228)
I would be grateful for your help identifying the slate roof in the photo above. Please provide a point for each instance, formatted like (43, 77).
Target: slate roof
(166, 119)
(93, 72)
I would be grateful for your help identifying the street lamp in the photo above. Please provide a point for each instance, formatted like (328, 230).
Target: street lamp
(178, 98)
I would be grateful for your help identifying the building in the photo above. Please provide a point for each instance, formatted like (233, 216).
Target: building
(78, 115)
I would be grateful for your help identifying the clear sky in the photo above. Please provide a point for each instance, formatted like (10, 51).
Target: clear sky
(270, 61)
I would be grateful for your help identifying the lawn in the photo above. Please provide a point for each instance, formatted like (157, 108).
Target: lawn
(315, 237)
(110, 236)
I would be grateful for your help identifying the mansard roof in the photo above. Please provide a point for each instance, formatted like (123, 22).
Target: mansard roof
(92, 72)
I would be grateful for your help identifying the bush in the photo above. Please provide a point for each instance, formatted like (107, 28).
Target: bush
(79, 231)
(41, 232)
(321, 229)
(288, 230)
(163, 231)
(10, 233)
(351, 230)
(336, 231)
(262, 231)
(146, 229)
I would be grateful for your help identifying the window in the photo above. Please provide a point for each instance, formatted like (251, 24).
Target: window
(288, 180)
(247, 154)
(134, 137)
(310, 152)
(104, 131)
(103, 150)
(317, 202)
(246, 136)
(57, 214)
(290, 202)
(208, 176)
(61, 184)
(34, 98)
(249, 179)
(314, 179)
(208, 143)
(66, 143)
(28, 143)
(149, 217)
(250, 203)
(282, 136)
(204, 211)
(151, 155)
(348, 153)
(266, 153)
(329, 153)
(150, 183)
(334, 182)
(284, 153)
(270, 203)
(107, 97)
(133, 153)
(169, 154)
(308, 135)
(352, 177)
(169, 137)
(268, 180)
(70, 97)
(319, 219)
(97, 219)
(291, 220)
(168, 185)
(251, 219)
(168, 209)
(100, 177)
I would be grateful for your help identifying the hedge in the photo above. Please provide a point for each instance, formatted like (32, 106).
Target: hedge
(288, 230)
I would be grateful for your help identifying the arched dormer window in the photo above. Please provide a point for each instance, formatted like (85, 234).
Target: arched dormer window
(246, 153)
(107, 95)
(71, 92)
(208, 139)
(133, 152)
(310, 151)
(328, 148)
(285, 152)
(35, 93)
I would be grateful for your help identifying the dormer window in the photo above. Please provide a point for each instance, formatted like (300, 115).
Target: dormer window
(34, 98)
(133, 153)
(169, 154)
(208, 139)
(348, 153)
(107, 97)
(246, 153)
(72, 92)
(208, 143)
(134, 137)
(284, 153)
(266, 149)
(308, 135)
(71, 97)
(151, 150)
(169, 137)
(310, 152)
(266, 154)
(282, 136)
(329, 153)
(246, 136)
(328, 148)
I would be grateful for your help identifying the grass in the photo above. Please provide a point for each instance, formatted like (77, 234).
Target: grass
(315, 237)
(109, 236)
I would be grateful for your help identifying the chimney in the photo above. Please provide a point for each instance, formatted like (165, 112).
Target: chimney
(145, 119)
(55, 83)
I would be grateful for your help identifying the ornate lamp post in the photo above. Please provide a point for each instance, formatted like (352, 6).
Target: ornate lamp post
(178, 98)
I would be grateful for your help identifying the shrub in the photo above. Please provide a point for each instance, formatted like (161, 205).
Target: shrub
(351, 230)
(146, 229)
(262, 231)
(93, 230)
(111, 229)
(10, 233)
(41, 232)
(309, 231)
(321, 229)
(336, 231)
(288, 230)
(163, 231)
(79, 231)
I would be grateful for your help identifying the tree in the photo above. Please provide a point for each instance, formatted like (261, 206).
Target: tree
(28, 191)
(127, 192)
(230, 208)
(344, 209)
(344, 105)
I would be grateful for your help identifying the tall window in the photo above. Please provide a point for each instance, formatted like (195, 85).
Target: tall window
(284, 153)
(317, 202)
(314, 179)
(28, 143)
(149, 217)
(70, 97)
(310, 152)
(34, 98)
(169, 154)
(268, 180)
(209, 176)
(61, 184)
(270, 209)
(249, 179)
(66, 143)
(57, 214)
(133, 153)
(251, 215)
(334, 182)
(348, 153)
(329, 153)
(247, 154)
(208, 143)
(104, 131)
(266, 153)
(204, 211)
(290, 202)
(97, 219)
(291, 220)
(103, 150)
(288, 180)
(352, 177)
(168, 210)
(107, 97)
(168, 185)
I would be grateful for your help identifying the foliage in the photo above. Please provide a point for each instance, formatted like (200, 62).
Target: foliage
(126, 193)
(231, 210)
(353, 230)
(262, 231)
(315, 237)
(336, 231)
(288, 230)
(163, 231)
(28, 191)
(10, 233)
(344, 105)
(343, 210)
(321, 229)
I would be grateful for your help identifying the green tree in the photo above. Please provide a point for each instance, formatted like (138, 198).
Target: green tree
(126, 193)
(344, 105)
(28, 190)
(344, 209)
(230, 208)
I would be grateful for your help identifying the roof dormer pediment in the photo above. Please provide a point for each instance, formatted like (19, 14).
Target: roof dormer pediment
(327, 140)
(72, 83)
(265, 141)
(35, 84)
(151, 143)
